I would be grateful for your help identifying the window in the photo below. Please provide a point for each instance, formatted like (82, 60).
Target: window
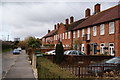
(111, 28)
(68, 35)
(111, 48)
(83, 33)
(78, 33)
(67, 46)
(74, 34)
(82, 47)
(94, 31)
(63, 35)
(102, 29)
(54, 37)
(60, 37)
(102, 45)
(88, 33)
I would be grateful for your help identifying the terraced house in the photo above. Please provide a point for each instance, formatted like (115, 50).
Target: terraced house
(95, 34)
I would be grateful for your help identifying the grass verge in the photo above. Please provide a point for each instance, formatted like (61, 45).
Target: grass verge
(6, 50)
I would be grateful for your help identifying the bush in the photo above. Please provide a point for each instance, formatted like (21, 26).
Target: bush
(59, 53)
(48, 70)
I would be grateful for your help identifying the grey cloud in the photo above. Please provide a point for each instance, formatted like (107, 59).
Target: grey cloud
(25, 19)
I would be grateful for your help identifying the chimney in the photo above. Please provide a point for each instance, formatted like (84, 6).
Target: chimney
(58, 25)
(67, 21)
(97, 8)
(71, 19)
(55, 27)
(48, 31)
(87, 12)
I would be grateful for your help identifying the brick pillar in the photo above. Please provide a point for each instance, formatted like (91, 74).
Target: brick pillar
(117, 38)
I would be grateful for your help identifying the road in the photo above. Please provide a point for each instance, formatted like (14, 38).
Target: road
(16, 66)
(8, 60)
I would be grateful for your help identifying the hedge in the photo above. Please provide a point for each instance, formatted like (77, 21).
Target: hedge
(48, 70)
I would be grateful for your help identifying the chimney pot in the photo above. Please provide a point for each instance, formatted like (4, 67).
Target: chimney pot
(67, 21)
(58, 25)
(87, 12)
(97, 8)
(55, 27)
(48, 31)
(71, 19)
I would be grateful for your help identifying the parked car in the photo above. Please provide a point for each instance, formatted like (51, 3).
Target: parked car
(106, 67)
(16, 51)
(52, 52)
(19, 48)
(73, 52)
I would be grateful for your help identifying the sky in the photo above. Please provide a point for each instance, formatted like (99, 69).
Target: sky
(20, 19)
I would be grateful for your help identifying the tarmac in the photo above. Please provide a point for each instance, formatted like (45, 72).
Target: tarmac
(21, 70)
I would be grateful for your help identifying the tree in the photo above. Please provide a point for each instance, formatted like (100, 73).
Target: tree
(30, 42)
(77, 44)
(59, 53)
(33, 42)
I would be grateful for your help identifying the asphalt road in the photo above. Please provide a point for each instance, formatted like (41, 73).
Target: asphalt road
(8, 60)
(16, 66)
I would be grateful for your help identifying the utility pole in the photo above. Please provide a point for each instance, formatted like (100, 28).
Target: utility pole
(8, 38)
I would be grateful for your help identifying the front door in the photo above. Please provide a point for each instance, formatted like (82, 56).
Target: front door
(88, 49)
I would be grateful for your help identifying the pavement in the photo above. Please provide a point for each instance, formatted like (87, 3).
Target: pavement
(21, 69)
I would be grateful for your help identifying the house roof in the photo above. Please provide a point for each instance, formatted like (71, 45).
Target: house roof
(53, 32)
(74, 24)
(101, 17)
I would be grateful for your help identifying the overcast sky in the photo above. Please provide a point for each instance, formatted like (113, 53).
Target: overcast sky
(23, 19)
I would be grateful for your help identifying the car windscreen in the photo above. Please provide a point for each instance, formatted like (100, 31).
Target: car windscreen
(114, 60)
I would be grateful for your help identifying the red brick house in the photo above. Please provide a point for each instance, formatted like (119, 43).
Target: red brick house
(49, 38)
(95, 34)
(65, 33)
(100, 33)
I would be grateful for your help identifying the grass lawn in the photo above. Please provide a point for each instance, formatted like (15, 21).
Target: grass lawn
(6, 50)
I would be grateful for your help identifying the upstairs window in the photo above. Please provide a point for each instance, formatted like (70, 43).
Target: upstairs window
(111, 28)
(83, 33)
(68, 35)
(88, 33)
(94, 31)
(74, 34)
(78, 33)
(63, 36)
(102, 31)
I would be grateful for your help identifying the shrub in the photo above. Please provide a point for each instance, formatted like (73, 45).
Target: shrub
(59, 53)
(48, 70)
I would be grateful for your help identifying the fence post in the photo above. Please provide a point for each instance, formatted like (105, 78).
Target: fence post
(79, 71)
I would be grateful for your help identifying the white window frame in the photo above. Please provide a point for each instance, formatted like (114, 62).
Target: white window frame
(74, 34)
(67, 45)
(82, 48)
(88, 33)
(63, 36)
(69, 35)
(78, 33)
(66, 35)
(83, 32)
(111, 48)
(94, 31)
(102, 29)
(111, 28)
(102, 48)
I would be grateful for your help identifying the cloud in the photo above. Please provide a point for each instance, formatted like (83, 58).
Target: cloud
(22, 19)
